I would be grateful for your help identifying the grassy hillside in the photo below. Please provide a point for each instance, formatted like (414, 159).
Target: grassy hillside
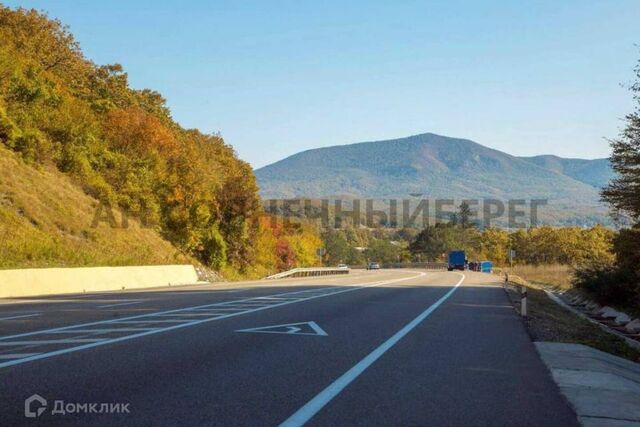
(73, 133)
(59, 109)
(45, 221)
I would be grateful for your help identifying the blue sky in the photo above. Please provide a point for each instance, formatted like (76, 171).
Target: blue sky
(278, 77)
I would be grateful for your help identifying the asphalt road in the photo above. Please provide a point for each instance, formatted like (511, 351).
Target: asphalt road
(391, 347)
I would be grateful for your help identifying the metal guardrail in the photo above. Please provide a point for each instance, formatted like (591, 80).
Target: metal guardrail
(436, 265)
(425, 265)
(306, 272)
(325, 271)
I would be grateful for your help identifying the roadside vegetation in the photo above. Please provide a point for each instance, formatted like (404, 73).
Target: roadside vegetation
(548, 321)
(617, 282)
(553, 275)
(61, 113)
(612, 279)
(45, 221)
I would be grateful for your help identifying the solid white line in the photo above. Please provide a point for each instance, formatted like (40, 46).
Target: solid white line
(135, 322)
(21, 316)
(47, 355)
(312, 407)
(103, 330)
(63, 341)
(201, 314)
(119, 304)
(16, 355)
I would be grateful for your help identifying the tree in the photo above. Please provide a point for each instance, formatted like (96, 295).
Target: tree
(338, 250)
(122, 146)
(619, 283)
(623, 192)
(495, 245)
(434, 241)
(464, 215)
(384, 251)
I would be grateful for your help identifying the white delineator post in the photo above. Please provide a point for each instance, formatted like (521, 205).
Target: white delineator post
(523, 301)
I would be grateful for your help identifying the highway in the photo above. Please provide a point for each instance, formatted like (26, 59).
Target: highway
(388, 347)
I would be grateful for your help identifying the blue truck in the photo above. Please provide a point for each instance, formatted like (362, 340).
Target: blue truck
(457, 260)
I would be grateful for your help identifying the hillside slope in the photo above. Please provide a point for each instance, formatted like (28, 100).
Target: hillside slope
(121, 145)
(46, 221)
(596, 172)
(432, 165)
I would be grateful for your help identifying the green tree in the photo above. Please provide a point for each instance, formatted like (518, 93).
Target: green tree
(338, 250)
(434, 241)
(384, 251)
(464, 215)
(623, 192)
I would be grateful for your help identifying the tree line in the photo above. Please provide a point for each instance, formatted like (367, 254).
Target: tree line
(60, 110)
(618, 281)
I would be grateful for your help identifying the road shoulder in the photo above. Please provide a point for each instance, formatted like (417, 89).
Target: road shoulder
(604, 390)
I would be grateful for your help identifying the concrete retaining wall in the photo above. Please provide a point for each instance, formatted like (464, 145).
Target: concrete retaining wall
(50, 281)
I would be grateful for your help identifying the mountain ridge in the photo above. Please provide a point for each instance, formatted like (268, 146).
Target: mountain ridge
(438, 167)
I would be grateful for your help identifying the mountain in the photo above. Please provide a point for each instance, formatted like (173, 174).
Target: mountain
(596, 172)
(439, 167)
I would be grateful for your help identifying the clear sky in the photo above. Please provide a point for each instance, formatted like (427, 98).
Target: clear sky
(278, 77)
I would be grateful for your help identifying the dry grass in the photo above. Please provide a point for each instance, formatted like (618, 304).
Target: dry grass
(553, 275)
(45, 221)
(548, 321)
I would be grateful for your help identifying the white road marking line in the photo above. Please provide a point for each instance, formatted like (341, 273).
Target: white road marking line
(135, 322)
(289, 329)
(247, 303)
(213, 291)
(216, 309)
(16, 355)
(350, 288)
(202, 314)
(119, 304)
(217, 306)
(63, 341)
(21, 316)
(103, 330)
(311, 408)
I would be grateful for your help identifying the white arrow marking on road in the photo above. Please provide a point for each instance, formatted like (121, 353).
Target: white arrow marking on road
(289, 329)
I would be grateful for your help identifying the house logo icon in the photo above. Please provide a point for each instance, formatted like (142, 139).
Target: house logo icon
(34, 406)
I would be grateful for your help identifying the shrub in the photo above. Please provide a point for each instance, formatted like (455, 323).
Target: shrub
(609, 284)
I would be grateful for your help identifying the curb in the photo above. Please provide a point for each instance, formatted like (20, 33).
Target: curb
(555, 298)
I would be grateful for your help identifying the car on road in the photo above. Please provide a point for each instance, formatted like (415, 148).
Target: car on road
(373, 266)
(343, 267)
